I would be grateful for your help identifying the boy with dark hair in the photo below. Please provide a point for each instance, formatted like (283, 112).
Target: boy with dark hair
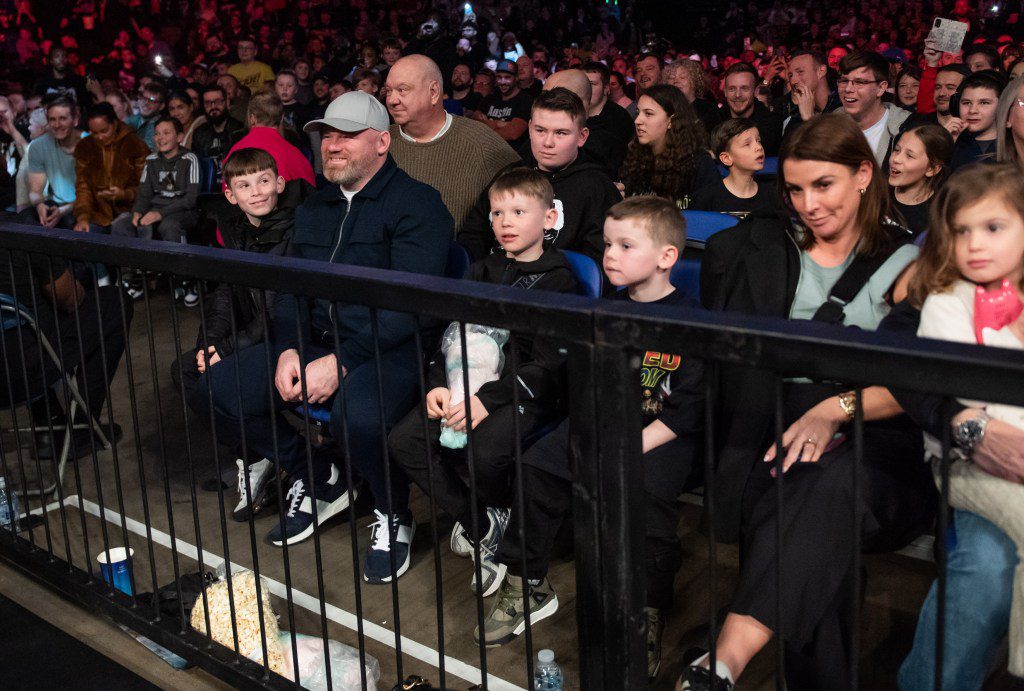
(643, 238)
(263, 221)
(522, 212)
(169, 187)
(583, 191)
(863, 80)
(979, 95)
(736, 144)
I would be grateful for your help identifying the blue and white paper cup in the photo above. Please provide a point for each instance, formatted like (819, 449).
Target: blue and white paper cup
(114, 565)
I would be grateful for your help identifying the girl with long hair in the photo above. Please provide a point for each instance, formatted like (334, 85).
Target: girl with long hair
(918, 166)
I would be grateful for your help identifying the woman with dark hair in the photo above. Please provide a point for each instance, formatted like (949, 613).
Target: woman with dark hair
(908, 83)
(181, 107)
(839, 261)
(669, 156)
(918, 166)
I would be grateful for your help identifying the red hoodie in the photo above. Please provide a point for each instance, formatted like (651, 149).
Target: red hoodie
(291, 163)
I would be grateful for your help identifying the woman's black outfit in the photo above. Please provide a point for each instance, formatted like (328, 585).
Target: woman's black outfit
(754, 269)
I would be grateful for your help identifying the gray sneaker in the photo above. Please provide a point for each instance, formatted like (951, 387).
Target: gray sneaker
(491, 572)
(655, 625)
(507, 618)
(260, 475)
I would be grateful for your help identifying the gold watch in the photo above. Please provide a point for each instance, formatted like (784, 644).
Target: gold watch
(848, 402)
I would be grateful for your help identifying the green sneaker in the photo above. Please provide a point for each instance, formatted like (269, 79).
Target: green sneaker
(507, 618)
(655, 625)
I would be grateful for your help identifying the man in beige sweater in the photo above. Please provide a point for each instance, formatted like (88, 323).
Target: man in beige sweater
(457, 156)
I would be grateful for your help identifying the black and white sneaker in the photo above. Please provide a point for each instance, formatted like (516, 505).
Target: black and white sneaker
(191, 295)
(331, 499)
(377, 565)
(697, 678)
(461, 545)
(491, 572)
(259, 481)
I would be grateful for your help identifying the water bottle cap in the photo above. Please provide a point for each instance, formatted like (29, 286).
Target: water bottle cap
(545, 656)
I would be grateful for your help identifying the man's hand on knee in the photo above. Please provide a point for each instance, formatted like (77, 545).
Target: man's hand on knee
(322, 378)
(286, 379)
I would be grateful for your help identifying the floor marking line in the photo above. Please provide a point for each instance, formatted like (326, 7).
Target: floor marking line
(340, 616)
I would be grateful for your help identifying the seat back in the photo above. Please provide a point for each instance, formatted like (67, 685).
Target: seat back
(700, 226)
(458, 261)
(587, 273)
(207, 175)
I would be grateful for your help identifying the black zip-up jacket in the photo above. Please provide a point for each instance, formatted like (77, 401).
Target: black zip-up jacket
(541, 371)
(272, 237)
(585, 193)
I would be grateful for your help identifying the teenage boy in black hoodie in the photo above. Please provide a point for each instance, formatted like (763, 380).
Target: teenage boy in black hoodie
(264, 222)
(643, 238)
(522, 214)
(583, 190)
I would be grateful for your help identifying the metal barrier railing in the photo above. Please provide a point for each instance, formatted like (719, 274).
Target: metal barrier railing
(599, 340)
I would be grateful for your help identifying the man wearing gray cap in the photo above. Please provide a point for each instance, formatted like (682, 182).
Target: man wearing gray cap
(374, 215)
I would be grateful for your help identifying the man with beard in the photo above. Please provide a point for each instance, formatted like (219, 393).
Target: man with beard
(648, 73)
(213, 138)
(525, 78)
(938, 84)
(51, 167)
(507, 111)
(373, 215)
(462, 89)
(740, 83)
(59, 81)
(809, 90)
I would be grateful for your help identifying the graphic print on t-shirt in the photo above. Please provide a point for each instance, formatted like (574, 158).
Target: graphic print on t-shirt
(655, 380)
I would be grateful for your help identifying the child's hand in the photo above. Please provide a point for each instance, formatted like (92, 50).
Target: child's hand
(456, 417)
(437, 402)
(150, 218)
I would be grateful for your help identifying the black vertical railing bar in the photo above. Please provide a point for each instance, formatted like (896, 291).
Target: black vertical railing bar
(389, 499)
(346, 457)
(45, 393)
(434, 532)
(70, 419)
(780, 458)
(228, 575)
(710, 398)
(272, 407)
(189, 461)
(118, 489)
(137, 438)
(247, 482)
(91, 416)
(162, 440)
(28, 399)
(520, 507)
(317, 554)
(856, 537)
(12, 526)
(473, 506)
(942, 544)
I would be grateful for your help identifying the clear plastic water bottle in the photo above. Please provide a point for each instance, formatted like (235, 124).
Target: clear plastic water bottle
(547, 675)
(8, 514)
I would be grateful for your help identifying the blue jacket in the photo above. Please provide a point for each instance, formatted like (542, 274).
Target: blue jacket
(394, 223)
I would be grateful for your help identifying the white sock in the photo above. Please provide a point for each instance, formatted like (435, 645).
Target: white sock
(721, 669)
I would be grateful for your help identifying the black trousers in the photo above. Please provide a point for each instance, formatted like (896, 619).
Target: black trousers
(96, 366)
(493, 459)
(897, 504)
(547, 501)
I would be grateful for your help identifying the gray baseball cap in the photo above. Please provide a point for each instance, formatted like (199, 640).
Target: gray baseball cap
(352, 112)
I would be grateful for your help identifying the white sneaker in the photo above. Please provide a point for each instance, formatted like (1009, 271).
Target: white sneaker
(491, 572)
(461, 545)
(259, 481)
(191, 296)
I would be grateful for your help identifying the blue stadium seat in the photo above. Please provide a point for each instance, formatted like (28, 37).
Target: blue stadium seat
(588, 273)
(207, 175)
(458, 261)
(700, 226)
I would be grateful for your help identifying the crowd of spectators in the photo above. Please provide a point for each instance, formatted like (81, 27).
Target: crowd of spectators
(377, 134)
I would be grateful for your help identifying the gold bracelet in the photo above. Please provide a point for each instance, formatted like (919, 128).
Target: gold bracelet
(848, 402)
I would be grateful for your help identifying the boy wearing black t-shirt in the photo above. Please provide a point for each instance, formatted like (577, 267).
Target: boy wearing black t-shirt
(737, 146)
(643, 239)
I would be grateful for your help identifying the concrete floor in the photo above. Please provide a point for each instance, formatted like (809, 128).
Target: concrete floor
(895, 588)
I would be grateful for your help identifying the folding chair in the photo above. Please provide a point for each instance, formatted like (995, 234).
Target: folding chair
(14, 314)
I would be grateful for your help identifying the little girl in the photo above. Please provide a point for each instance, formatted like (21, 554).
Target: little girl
(970, 276)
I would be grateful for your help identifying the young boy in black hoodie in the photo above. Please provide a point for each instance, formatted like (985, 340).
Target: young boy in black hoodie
(522, 212)
(264, 222)
(583, 190)
(643, 238)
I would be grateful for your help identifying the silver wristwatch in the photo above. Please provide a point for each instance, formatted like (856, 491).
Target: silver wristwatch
(969, 433)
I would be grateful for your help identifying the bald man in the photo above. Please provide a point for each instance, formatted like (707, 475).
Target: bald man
(606, 145)
(457, 156)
